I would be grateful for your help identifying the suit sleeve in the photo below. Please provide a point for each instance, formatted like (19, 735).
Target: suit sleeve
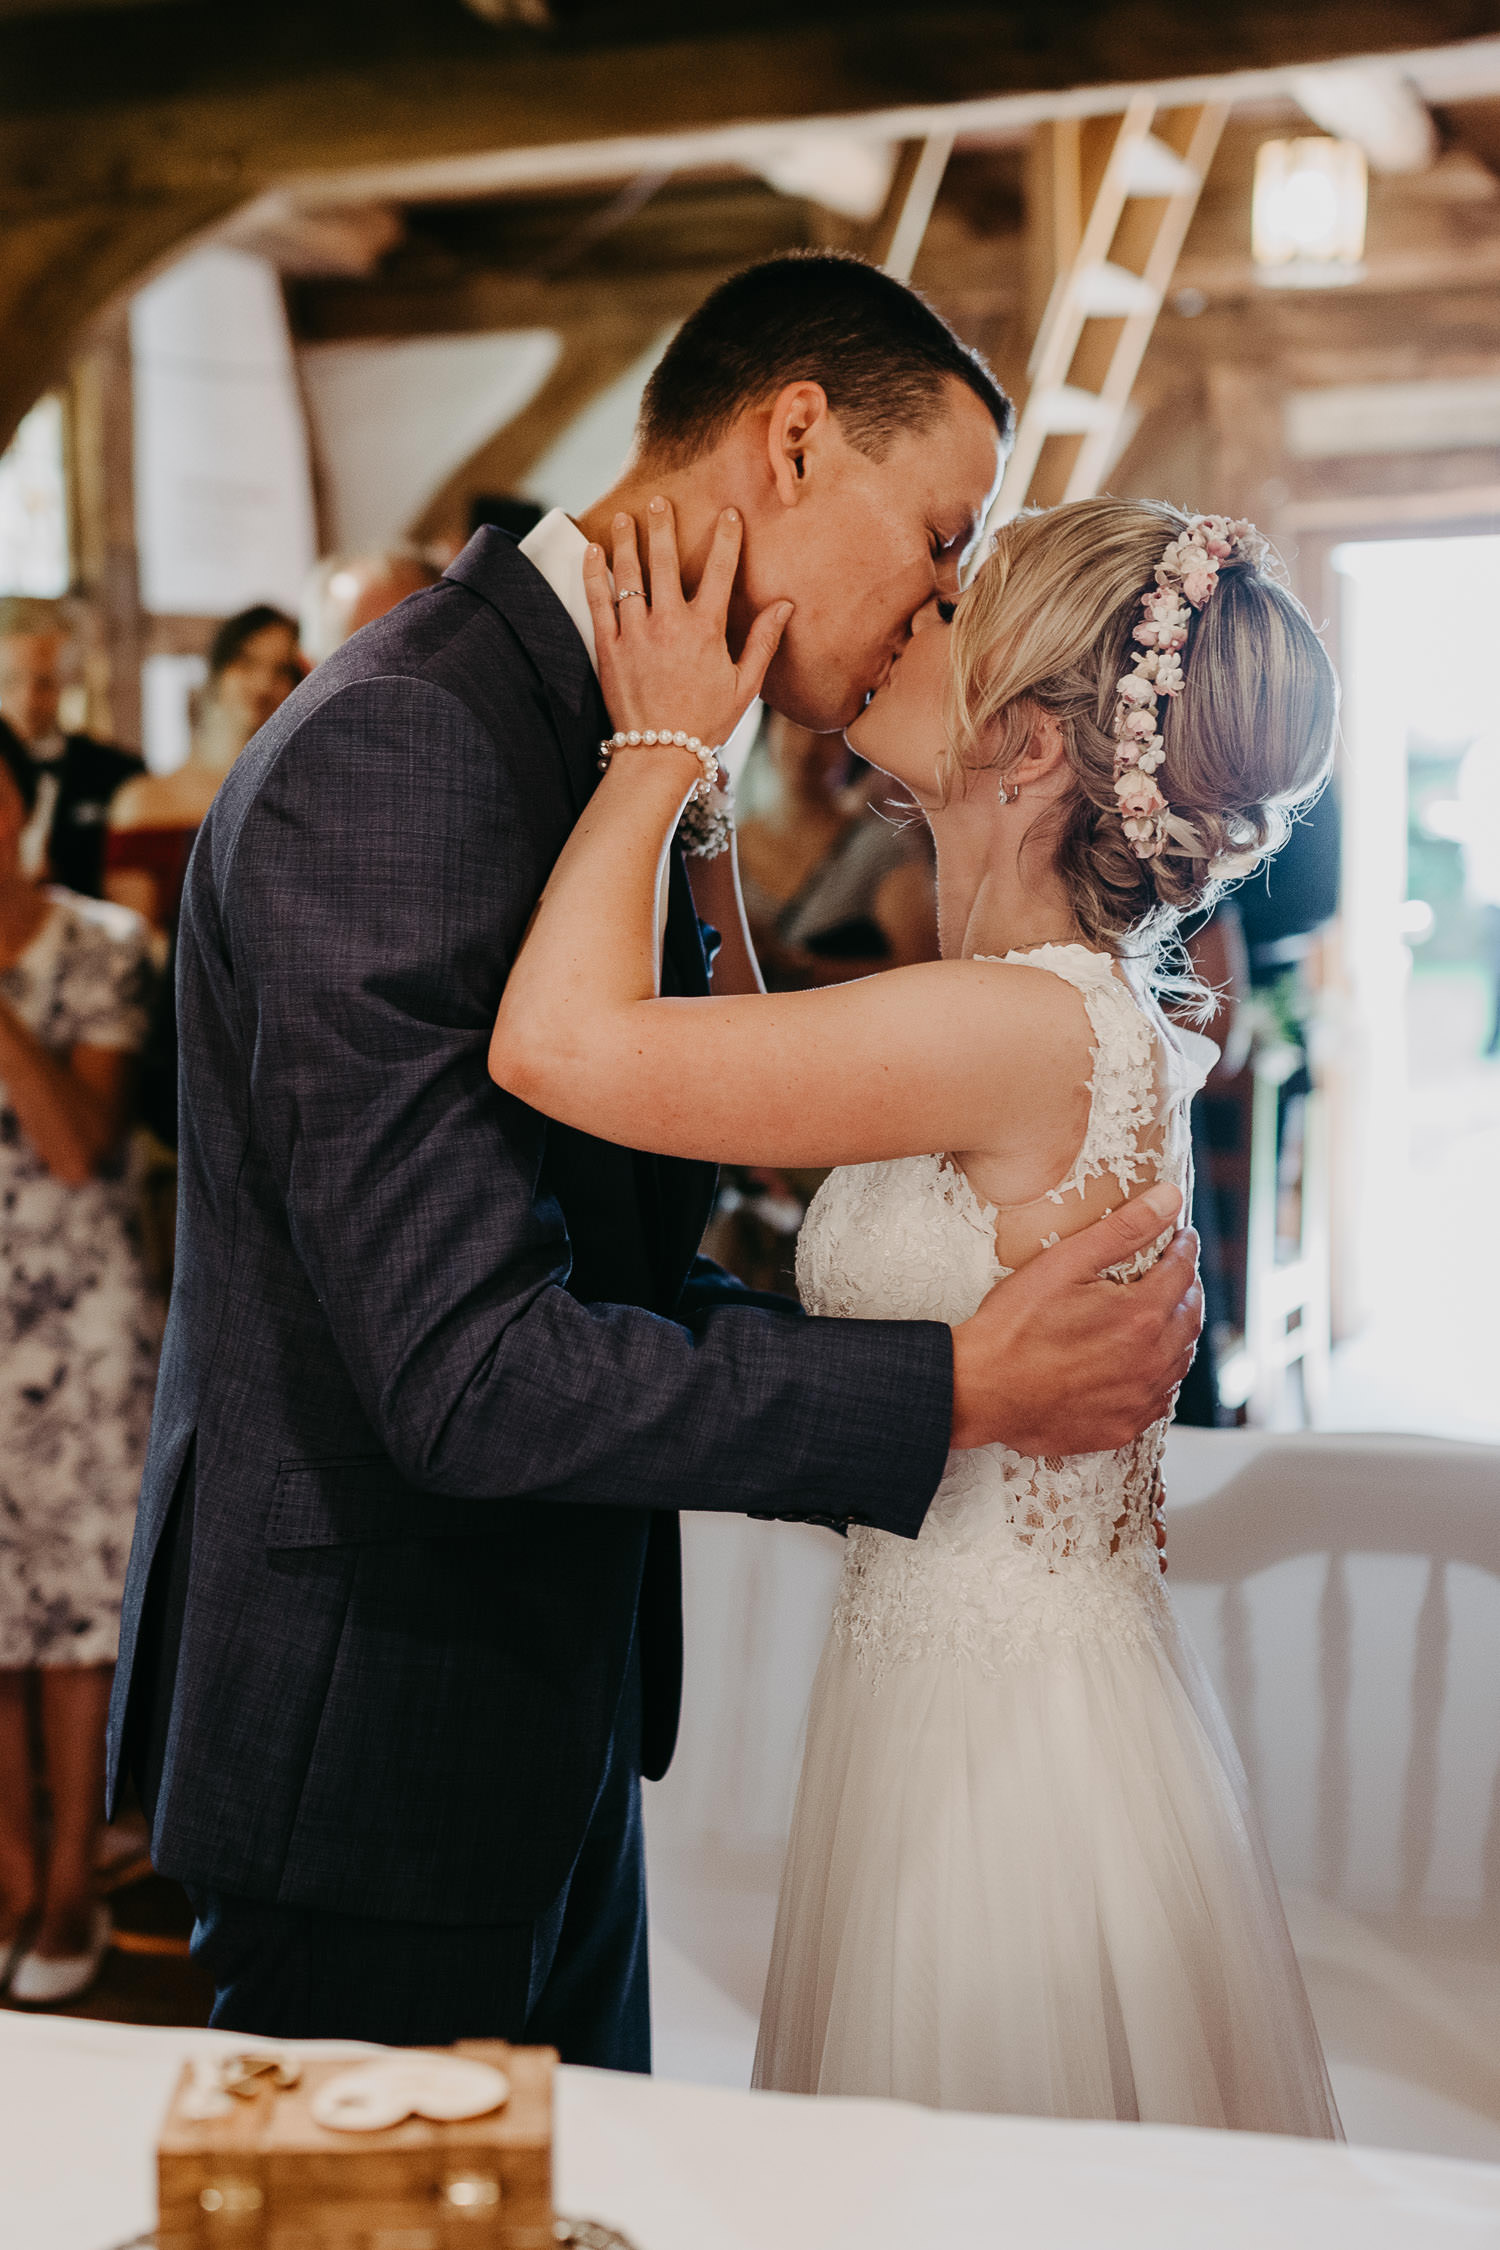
(371, 901)
(710, 1288)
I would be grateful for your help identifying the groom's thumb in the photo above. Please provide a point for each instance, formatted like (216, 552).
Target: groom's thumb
(761, 644)
(1113, 1240)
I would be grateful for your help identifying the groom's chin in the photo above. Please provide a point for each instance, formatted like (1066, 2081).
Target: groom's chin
(812, 692)
(811, 705)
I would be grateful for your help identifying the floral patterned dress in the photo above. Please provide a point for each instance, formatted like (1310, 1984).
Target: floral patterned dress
(79, 1327)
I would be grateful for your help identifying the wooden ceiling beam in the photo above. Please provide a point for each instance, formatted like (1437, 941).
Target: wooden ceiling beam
(103, 172)
(337, 311)
(248, 123)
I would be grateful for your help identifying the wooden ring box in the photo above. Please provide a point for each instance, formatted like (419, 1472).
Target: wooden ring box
(267, 2177)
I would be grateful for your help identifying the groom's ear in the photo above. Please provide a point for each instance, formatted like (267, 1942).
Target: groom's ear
(799, 427)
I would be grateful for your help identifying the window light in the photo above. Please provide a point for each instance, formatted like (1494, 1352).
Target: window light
(1308, 217)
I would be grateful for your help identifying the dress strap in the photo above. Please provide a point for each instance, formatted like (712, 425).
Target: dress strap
(1123, 1107)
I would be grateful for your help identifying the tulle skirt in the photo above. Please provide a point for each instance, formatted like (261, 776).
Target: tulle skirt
(1037, 1889)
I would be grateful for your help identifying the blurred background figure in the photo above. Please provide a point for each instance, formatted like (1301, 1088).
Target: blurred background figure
(78, 1350)
(253, 664)
(345, 592)
(76, 776)
(1479, 802)
(835, 866)
(1219, 957)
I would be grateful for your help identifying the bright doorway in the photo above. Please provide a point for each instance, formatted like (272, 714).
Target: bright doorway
(1421, 1145)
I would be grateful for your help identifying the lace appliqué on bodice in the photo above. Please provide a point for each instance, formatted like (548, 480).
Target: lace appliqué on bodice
(1014, 1553)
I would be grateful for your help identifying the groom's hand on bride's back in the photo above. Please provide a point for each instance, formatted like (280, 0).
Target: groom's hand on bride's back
(1059, 1359)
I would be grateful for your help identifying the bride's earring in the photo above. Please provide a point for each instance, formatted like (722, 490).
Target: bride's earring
(1009, 796)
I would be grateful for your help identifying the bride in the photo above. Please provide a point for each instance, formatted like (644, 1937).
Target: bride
(1023, 1872)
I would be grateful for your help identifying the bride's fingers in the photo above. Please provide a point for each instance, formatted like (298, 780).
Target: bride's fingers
(627, 563)
(717, 583)
(761, 644)
(661, 546)
(601, 601)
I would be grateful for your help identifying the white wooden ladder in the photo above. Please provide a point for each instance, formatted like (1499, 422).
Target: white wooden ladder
(1111, 201)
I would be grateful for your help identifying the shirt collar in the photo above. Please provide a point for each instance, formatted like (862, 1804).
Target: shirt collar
(556, 547)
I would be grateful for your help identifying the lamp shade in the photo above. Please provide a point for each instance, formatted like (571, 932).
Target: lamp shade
(1308, 217)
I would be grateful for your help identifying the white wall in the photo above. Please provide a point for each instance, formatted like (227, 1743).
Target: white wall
(589, 455)
(391, 421)
(34, 506)
(224, 503)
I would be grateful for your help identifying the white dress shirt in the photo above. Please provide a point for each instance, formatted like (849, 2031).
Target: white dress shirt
(48, 752)
(556, 547)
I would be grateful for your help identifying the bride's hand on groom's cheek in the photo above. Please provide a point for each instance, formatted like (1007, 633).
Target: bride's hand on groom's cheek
(664, 659)
(1059, 1360)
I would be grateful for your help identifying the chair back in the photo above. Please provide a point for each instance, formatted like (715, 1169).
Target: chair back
(1344, 1593)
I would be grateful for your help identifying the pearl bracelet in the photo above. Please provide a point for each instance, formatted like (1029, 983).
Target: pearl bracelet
(629, 739)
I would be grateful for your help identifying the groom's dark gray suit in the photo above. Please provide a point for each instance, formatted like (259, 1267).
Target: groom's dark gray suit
(402, 1623)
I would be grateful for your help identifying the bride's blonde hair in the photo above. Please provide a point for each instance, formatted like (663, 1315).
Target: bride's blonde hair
(1046, 626)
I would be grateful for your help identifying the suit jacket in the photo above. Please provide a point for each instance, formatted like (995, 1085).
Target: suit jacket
(88, 774)
(438, 1373)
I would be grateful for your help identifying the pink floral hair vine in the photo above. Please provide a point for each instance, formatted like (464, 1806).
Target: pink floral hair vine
(1186, 578)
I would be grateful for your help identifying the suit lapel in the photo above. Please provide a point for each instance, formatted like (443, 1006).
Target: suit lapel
(493, 566)
(676, 1195)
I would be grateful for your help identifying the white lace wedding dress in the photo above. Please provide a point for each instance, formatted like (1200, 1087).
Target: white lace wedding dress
(1023, 1872)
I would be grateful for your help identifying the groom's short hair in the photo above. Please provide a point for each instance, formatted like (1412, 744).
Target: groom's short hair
(879, 350)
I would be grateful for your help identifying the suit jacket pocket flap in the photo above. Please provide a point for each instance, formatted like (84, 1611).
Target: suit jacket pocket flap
(356, 1503)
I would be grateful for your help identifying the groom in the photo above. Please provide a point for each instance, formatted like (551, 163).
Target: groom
(402, 1628)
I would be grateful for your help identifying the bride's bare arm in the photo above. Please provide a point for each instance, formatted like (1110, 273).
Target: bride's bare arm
(895, 1064)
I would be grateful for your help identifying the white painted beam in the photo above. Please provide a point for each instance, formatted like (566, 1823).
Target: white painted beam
(1464, 71)
(1067, 411)
(1107, 292)
(1375, 105)
(1155, 169)
(917, 209)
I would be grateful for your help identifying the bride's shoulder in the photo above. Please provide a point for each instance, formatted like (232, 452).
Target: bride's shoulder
(1036, 1023)
(1052, 993)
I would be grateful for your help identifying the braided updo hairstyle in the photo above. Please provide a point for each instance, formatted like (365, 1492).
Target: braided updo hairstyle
(1046, 625)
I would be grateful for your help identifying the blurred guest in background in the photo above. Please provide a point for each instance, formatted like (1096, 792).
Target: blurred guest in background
(345, 592)
(78, 1347)
(76, 776)
(1218, 957)
(837, 880)
(253, 664)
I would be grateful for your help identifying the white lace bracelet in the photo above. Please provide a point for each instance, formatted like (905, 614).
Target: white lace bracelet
(707, 822)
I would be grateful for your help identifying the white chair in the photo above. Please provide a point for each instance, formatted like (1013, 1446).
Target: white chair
(1344, 1593)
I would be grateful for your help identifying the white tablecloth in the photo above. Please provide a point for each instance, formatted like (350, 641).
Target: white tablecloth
(699, 2168)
